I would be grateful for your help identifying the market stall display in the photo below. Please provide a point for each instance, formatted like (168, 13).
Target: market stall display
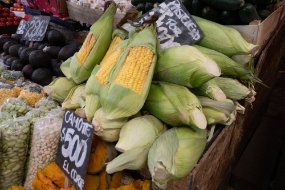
(151, 108)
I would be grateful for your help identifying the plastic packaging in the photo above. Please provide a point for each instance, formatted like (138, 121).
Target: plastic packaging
(46, 103)
(45, 139)
(14, 148)
(15, 106)
(32, 94)
(6, 91)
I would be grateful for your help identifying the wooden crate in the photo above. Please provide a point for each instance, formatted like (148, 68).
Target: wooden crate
(214, 168)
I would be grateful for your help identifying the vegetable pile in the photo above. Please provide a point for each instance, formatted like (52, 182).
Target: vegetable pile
(151, 108)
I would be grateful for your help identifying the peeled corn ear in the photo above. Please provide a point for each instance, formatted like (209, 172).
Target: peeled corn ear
(131, 77)
(185, 65)
(96, 44)
(175, 105)
(223, 38)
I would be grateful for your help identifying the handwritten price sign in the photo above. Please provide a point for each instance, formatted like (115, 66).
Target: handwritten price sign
(74, 148)
(175, 25)
(36, 28)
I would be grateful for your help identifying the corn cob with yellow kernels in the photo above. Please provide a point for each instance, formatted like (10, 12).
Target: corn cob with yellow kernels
(80, 66)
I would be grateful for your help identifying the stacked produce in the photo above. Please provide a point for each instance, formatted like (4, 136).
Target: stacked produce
(231, 12)
(7, 16)
(150, 107)
(39, 61)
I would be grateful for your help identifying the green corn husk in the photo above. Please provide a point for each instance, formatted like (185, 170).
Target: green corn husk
(107, 129)
(218, 112)
(174, 154)
(185, 65)
(228, 66)
(135, 147)
(234, 89)
(75, 98)
(175, 105)
(93, 86)
(119, 101)
(210, 89)
(223, 38)
(102, 30)
(242, 59)
(59, 88)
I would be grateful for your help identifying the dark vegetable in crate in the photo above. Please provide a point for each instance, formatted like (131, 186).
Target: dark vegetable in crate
(8, 44)
(264, 13)
(53, 51)
(42, 76)
(67, 51)
(24, 57)
(17, 65)
(36, 44)
(42, 46)
(196, 7)
(28, 71)
(55, 64)
(229, 17)
(38, 59)
(9, 61)
(230, 5)
(248, 13)
(209, 13)
(21, 49)
(3, 40)
(13, 50)
(56, 38)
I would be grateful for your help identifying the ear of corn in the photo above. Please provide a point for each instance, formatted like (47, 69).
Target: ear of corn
(94, 48)
(243, 59)
(210, 89)
(228, 66)
(75, 98)
(215, 116)
(59, 88)
(227, 106)
(175, 105)
(100, 74)
(131, 77)
(222, 38)
(185, 65)
(234, 89)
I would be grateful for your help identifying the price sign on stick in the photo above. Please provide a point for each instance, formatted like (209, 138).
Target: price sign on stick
(175, 25)
(74, 148)
(36, 28)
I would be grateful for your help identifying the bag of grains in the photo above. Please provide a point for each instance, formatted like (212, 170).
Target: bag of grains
(46, 103)
(32, 94)
(15, 135)
(15, 106)
(44, 144)
(6, 91)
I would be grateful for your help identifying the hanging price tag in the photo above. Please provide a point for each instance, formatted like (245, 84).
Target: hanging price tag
(22, 27)
(175, 25)
(74, 148)
(36, 28)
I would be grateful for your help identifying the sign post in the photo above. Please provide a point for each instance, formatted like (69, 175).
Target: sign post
(36, 28)
(74, 148)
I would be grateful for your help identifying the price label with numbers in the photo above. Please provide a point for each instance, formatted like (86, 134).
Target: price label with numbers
(22, 27)
(36, 28)
(175, 25)
(74, 148)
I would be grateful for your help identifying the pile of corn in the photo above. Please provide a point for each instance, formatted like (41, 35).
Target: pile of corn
(155, 105)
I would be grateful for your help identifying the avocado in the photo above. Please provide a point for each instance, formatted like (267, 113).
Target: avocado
(17, 37)
(9, 61)
(3, 40)
(28, 71)
(229, 17)
(52, 50)
(22, 41)
(27, 43)
(8, 44)
(36, 44)
(56, 38)
(38, 59)
(21, 49)
(42, 46)
(55, 64)
(17, 65)
(230, 5)
(5, 58)
(42, 76)
(13, 50)
(24, 57)
(209, 13)
(248, 13)
(67, 51)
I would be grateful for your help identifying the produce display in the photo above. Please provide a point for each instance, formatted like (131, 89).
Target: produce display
(7, 16)
(151, 108)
